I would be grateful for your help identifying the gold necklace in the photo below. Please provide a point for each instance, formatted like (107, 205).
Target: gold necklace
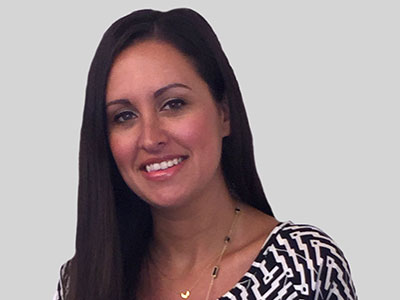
(227, 240)
(185, 294)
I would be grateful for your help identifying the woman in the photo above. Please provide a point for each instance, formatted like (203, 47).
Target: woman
(170, 204)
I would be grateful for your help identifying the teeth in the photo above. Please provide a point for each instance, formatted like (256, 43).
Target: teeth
(163, 165)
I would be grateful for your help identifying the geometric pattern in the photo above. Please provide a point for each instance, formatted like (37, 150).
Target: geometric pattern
(296, 262)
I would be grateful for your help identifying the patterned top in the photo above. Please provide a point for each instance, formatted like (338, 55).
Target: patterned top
(296, 262)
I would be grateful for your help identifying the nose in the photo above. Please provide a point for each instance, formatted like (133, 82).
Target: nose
(153, 137)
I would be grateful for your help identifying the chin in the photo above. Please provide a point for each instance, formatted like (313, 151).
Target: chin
(167, 201)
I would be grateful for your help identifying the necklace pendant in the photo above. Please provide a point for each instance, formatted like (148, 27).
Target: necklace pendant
(215, 272)
(185, 295)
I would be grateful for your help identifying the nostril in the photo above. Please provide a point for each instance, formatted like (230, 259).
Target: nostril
(152, 136)
(154, 142)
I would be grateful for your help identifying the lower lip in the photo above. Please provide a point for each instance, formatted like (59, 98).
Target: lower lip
(165, 174)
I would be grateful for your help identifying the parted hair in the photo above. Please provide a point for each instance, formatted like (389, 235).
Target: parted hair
(114, 224)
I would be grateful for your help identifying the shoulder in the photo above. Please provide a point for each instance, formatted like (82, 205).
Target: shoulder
(297, 261)
(310, 260)
(301, 238)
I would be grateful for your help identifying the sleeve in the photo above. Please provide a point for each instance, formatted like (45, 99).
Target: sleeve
(296, 262)
(334, 278)
(315, 258)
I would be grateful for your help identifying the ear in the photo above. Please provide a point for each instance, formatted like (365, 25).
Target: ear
(225, 118)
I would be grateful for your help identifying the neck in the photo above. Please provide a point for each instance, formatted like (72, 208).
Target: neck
(193, 234)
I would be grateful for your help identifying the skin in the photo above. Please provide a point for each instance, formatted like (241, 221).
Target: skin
(158, 126)
(159, 108)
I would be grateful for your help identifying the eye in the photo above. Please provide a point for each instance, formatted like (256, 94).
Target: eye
(174, 104)
(124, 116)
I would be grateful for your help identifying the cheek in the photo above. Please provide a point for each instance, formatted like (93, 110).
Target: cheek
(122, 150)
(200, 133)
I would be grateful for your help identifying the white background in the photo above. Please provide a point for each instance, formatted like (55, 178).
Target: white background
(320, 80)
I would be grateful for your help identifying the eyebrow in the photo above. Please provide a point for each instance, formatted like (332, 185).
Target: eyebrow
(118, 101)
(156, 93)
(170, 86)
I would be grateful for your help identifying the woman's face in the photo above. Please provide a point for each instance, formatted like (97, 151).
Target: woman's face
(165, 129)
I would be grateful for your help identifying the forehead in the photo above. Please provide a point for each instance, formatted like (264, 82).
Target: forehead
(149, 65)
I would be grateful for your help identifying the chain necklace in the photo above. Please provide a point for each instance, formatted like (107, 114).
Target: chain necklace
(185, 294)
(217, 266)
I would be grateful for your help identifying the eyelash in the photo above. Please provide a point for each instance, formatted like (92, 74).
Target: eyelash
(124, 116)
(175, 104)
(171, 105)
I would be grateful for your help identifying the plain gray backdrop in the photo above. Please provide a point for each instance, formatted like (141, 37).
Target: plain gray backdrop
(320, 81)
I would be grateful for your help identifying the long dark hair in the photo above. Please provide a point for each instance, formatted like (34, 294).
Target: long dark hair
(114, 224)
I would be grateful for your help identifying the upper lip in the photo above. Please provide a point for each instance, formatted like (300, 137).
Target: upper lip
(160, 159)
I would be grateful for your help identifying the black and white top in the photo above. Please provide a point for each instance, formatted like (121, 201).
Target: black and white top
(296, 262)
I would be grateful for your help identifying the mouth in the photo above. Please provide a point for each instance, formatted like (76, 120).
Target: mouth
(163, 164)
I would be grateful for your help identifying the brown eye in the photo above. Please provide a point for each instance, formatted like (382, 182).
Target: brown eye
(174, 104)
(124, 116)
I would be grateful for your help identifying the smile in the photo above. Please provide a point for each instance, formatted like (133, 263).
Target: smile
(163, 165)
